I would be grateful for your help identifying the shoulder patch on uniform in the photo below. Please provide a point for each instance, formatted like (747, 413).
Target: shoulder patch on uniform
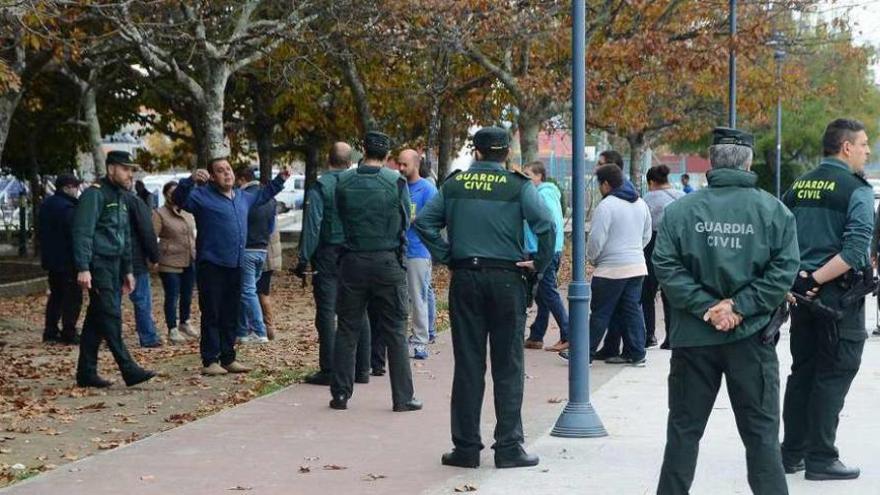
(520, 174)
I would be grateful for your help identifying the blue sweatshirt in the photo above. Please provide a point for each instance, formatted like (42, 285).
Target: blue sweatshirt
(222, 222)
(420, 192)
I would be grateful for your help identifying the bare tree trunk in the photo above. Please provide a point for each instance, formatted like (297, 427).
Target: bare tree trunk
(445, 149)
(262, 126)
(215, 137)
(637, 147)
(8, 102)
(358, 91)
(90, 114)
(529, 129)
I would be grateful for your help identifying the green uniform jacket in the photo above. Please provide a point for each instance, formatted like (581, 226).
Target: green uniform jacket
(321, 225)
(834, 209)
(373, 204)
(483, 210)
(729, 240)
(101, 227)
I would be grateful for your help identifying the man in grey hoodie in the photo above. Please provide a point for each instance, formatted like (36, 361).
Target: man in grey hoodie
(620, 230)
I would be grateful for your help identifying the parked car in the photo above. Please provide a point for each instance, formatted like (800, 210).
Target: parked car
(293, 194)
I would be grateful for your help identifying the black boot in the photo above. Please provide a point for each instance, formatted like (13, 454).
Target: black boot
(413, 405)
(138, 375)
(835, 470)
(362, 378)
(92, 381)
(793, 467)
(339, 402)
(460, 458)
(514, 458)
(320, 378)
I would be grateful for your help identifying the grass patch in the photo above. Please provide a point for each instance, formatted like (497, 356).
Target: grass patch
(276, 381)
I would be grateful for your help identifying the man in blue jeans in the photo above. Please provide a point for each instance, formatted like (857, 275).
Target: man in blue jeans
(261, 223)
(620, 230)
(144, 254)
(548, 299)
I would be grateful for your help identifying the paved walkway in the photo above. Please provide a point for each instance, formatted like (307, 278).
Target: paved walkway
(261, 446)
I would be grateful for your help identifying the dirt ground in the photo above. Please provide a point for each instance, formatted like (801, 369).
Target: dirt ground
(46, 421)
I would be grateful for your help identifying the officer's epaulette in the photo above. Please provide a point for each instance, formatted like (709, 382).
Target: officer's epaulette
(863, 179)
(521, 174)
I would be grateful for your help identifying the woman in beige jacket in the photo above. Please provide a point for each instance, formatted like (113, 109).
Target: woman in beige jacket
(177, 251)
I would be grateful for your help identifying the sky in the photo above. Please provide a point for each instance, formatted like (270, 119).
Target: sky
(864, 16)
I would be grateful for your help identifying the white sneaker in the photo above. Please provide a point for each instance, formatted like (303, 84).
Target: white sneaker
(247, 339)
(187, 330)
(175, 337)
(258, 339)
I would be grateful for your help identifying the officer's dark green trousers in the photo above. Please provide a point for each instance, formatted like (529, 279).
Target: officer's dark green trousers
(376, 279)
(751, 370)
(487, 305)
(324, 285)
(821, 374)
(103, 320)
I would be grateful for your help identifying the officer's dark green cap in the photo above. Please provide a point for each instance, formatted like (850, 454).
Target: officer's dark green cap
(491, 139)
(377, 143)
(120, 158)
(726, 135)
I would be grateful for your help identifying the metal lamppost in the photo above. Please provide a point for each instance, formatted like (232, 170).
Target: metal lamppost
(779, 56)
(578, 419)
(731, 67)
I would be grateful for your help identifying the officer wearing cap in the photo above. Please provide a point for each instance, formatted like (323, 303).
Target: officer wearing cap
(483, 209)
(65, 297)
(373, 205)
(102, 258)
(833, 206)
(725, 256)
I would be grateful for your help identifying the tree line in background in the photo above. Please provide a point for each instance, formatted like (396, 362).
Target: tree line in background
(277, 80)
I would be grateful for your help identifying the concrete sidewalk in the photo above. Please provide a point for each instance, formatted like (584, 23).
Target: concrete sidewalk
(261, 445)
(633, 408)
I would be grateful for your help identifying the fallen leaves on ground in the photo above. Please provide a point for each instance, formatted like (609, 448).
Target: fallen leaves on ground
(374, 477)
(467, 487)
(333, 467)
(42, 411)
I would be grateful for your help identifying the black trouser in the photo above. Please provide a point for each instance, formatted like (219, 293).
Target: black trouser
(104, 321)
(64, 304)
(821, 374)
(751, 371)
(487, 305)
(649, 294)
(219, 303)
(377, 345)
(374, 279)
(324, 287)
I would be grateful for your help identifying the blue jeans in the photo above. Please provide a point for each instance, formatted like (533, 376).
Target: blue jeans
(251, 314)
(549, 302)
(178, 289)
(142, 299)
(619, 298)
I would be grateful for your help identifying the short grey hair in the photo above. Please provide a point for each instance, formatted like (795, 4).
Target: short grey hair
(730, 156)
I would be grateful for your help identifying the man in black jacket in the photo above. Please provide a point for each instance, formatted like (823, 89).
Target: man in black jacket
(144, 254)
(65, 297)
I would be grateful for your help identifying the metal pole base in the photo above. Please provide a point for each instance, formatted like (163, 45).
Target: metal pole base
(579, 420)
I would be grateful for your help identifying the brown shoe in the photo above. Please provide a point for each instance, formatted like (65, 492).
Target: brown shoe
(533, 344)
(214, 369)
(236, 367)
(559, 346)
(268, 320)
